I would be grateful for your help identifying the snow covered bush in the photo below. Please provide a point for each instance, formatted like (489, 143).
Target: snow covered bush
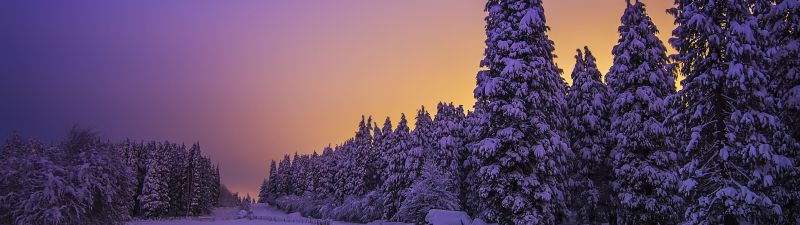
(355, 209)
(436, 190)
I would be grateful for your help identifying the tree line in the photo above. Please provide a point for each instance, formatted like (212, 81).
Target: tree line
(626, 147)
(85, 180)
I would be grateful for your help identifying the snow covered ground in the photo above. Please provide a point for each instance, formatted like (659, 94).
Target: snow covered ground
(228, 216)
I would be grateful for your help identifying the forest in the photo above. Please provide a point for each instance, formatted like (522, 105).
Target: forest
(627, 147)
(86, 180)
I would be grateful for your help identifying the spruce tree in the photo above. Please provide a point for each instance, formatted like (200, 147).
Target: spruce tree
(782, 21)
(375, 164)
(587, 101)
(736, 145)
(267, 187)
(385, 145)
(422, 143)
(327, 173)
(154, 199)
(640, 79)
(523, 152)
(397, 176)
(282, 178)
(450, 151)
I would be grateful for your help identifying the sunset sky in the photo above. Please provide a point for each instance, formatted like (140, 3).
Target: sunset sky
(253, 80)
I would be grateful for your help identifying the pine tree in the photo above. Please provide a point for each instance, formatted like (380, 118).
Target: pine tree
(327, 174)
(783, 24)
(282, 178)
(313, 175)
(206, 187)
(640, 79)
(267, 187)
(450, 151)
(588, 100)
(263, 191)
(298, 179)
(154, 199)
(736, 146)
(523, 152)
(386, 145)
(197, 186)
(383, 143)
(475, 125)
(176, 174)
(422, 143)
(397, 177)
(367, 157)
(374, 159)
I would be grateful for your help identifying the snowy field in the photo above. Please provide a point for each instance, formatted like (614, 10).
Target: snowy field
(228, 216)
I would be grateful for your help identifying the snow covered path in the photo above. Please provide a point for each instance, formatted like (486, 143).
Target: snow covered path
(227, 216)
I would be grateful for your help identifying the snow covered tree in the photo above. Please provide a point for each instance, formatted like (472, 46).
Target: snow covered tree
(154, 198)
(587, 101)
(282, 177)
(422, 142)
(299, 170)
(349, 180)
(177, 177)
(474, 125)
(327, 174)
(267, 187)
(367, 156)
(782, 21)
(523, 151)
(103, 179)
(384, 141)
(36, 188)
(313, 174)
(640, 79)
(423, 133)
(201, 182)
(736, 145)
(397, 177)
(80, 181)
(449, 151)
(783, 25)
(135, 158)
(374, 160)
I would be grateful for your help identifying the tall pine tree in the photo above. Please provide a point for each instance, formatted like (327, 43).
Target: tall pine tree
(154, 199)
(589, 123)
(523, 152)
(640, 79)
(783, 24)
(736, 145)
(397, 177)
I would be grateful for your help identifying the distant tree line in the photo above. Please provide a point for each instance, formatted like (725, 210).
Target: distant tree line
(85, 180)
(630, 149)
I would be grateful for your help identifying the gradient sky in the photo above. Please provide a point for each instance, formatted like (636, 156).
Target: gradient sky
(253, 79)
